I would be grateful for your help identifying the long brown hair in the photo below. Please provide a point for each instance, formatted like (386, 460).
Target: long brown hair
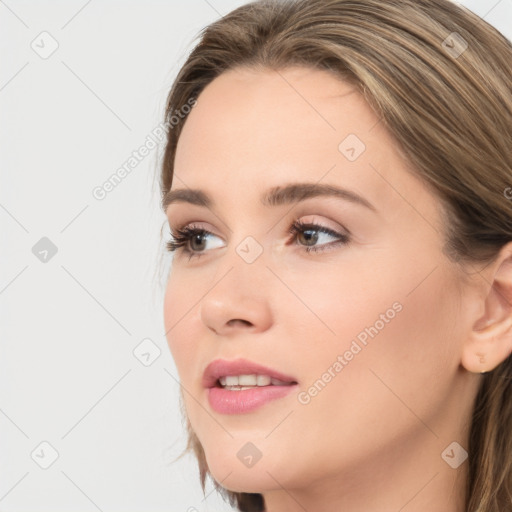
(440, 79)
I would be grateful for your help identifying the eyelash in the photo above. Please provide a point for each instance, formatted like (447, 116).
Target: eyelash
(184, 235)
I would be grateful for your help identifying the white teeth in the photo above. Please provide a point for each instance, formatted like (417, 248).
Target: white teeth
(263, 380)
(247, 380)
(251, 380)
(231, 380)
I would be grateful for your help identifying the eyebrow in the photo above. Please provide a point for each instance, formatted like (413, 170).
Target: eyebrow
(276, 196)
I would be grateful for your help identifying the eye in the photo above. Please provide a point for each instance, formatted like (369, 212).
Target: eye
(191, 240)
(311, 231)
(190, 237)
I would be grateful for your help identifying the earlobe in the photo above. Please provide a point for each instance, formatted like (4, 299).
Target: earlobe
(488, 348)
(489, 341)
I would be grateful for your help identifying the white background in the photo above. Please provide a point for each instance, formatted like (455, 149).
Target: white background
(69, 326)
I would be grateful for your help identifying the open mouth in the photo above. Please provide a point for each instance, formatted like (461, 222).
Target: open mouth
(252, 381)
(241, 386)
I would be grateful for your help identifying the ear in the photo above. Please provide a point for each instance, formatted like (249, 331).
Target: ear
(490, 340)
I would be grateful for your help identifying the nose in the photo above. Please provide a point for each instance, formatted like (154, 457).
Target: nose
(238, 301)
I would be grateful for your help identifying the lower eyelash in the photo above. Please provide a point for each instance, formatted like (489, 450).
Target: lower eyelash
(184, 235)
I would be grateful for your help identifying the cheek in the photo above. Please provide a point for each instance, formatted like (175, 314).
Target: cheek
(393, 353)
(180, 297)
(334, 301)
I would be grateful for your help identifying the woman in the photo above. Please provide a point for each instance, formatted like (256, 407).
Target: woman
(339, 305)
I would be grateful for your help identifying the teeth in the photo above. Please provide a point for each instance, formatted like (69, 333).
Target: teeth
(231, 380)
(263, 380)
(249, 381)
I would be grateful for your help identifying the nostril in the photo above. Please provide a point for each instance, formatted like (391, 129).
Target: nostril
(244, 322)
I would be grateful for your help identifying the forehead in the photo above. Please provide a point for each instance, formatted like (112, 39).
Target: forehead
(255, 129)
(278, 111)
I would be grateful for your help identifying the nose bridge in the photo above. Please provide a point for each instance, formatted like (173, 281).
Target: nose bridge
(239, 291)
(245, 268)
(251, 251)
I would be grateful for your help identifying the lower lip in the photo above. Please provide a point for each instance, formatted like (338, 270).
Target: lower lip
(245, 400)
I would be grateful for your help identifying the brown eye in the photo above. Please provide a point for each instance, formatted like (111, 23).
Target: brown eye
(190, 240)
(309, 234)
(198, 241)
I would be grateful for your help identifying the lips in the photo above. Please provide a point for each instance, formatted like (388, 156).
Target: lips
(223, 368)
(241, 395)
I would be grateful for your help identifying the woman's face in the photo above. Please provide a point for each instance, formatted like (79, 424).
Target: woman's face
(368, 323)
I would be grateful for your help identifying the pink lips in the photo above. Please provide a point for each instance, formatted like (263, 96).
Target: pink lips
(226, 401)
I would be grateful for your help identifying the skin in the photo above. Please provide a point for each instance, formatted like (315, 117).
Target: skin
(372, 438)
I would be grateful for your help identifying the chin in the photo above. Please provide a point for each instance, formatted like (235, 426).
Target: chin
(238, 467)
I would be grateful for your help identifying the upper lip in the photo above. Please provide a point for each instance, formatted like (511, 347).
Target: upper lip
(222, 367)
